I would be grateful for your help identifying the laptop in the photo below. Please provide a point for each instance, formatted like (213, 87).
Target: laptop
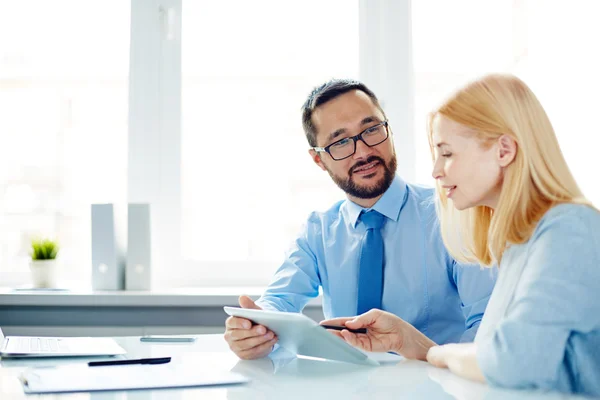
(28, 346)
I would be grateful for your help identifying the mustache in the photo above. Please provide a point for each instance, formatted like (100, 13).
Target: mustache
(367, 161)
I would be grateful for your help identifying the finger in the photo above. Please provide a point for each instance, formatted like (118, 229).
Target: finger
(360, 341)
(251, 342)
(257, 351)
(247, 302)
(237, 323)
(240, 334)
(336, 321)
(349, 337)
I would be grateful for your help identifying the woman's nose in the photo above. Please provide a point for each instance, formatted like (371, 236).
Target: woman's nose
(438, 170)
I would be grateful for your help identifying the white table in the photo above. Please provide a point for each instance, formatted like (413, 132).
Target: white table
(277, 377)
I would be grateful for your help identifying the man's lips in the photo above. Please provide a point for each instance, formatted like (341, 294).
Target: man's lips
(366, 169)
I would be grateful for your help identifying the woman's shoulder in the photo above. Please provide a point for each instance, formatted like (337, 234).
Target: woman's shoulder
(569, 218)
(567, 232)
(572, 210)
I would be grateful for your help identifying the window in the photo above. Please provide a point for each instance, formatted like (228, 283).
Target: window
(202, 117)
(63, 124)
(248, 183)
(454, 42)
(457, 41)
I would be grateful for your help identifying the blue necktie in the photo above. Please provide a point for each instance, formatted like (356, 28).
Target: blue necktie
(370, 275)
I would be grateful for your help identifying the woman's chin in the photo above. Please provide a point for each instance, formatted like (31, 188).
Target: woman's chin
(461, 205)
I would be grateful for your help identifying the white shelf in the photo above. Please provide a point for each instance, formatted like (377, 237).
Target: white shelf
(200, 297)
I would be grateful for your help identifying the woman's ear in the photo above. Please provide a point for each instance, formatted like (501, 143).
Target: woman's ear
(507, 150)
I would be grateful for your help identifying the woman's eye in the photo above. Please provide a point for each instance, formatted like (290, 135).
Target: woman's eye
(447, 155)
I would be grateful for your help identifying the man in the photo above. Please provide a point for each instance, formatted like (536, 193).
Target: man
(379, 248)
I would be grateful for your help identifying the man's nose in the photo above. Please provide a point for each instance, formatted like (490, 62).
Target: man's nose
(362, 150)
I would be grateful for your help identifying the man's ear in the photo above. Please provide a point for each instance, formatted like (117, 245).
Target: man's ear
(507, 150)
(317, 159)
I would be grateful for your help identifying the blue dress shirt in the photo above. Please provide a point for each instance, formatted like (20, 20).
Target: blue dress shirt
(422, 284)
(542, 326)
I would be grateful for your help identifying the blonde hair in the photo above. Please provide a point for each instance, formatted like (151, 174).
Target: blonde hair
(536, 180)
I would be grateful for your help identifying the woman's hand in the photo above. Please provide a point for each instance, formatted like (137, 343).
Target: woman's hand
(385, 332)
(460, 358)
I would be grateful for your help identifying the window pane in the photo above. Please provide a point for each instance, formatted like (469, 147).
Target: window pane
(248, 183)
(460, 40)
(454, 42)
(63, 102)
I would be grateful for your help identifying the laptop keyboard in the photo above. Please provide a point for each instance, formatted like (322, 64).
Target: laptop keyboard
(41, 345)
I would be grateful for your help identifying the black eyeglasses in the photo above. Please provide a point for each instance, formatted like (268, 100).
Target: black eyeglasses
(345, 147)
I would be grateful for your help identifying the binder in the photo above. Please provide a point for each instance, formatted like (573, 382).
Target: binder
(108, 249)
(139, 243)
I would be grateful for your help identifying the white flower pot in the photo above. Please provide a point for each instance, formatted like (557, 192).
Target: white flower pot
(43, 273)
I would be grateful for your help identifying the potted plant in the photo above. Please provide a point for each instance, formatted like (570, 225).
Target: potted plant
(43, 262)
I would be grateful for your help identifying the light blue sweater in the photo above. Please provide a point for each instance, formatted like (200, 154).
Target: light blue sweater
(541, 328)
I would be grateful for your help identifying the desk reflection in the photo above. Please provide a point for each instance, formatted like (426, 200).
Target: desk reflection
(283, 375)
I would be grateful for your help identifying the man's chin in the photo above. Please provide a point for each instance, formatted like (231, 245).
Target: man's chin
(368, 191)
(368, 183)
(366, 186)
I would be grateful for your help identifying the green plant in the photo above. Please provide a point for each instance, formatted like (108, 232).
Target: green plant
(43, 249)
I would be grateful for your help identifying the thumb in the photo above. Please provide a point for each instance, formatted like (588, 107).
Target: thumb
(247, 302)
(363, 320)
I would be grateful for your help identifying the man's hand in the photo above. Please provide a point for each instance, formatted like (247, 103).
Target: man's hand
(385, 332)
(246, 341)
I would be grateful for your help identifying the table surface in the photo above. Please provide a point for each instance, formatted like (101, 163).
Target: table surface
(280, 376)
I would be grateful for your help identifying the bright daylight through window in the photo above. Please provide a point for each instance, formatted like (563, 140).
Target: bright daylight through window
(63, 125)
(473, 37)
(248, 183)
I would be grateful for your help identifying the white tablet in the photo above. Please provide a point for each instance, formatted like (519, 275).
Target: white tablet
(301, 335)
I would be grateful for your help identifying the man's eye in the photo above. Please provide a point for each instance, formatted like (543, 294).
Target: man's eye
(375, 130)
(341, 143)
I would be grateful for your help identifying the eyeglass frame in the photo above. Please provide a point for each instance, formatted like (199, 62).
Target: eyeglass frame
(355, 139)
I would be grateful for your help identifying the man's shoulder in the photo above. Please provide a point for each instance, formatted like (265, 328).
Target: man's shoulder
(331, 214)
(420, 192)
(422, 197)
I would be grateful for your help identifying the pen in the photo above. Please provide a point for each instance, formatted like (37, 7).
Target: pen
(162, 360)
(341, 328)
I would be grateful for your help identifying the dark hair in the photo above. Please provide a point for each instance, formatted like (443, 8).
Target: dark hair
(326, 92)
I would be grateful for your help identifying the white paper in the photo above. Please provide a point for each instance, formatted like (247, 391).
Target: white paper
(121, 377)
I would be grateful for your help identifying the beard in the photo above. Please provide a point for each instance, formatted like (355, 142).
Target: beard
(350, 187)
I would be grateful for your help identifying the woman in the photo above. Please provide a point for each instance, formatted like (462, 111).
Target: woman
(506, 196)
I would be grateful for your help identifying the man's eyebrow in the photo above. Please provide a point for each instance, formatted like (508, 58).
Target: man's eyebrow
(341, 131)
(369, 119)
(336, 133)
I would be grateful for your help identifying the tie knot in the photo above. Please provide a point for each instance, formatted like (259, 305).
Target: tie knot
(372, 219)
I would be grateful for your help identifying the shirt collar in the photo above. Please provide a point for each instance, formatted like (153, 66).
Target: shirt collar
(389, 204)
